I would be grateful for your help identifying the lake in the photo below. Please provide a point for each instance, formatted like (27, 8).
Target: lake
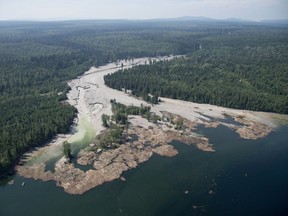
(243, 177)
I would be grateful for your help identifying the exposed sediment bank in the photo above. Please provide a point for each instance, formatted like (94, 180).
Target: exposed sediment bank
(109, 164)
(179, 122)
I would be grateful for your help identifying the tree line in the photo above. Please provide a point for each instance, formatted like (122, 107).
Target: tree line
(248, 74)
(37, 58)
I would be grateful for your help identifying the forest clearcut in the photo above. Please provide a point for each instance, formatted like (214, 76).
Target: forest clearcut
(239, 65)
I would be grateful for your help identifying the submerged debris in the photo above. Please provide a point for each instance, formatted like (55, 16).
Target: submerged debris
(109, 164)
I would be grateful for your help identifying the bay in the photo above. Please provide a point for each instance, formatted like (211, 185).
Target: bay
(243, 177)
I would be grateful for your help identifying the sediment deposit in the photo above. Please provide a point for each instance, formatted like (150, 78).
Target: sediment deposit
(179, 121)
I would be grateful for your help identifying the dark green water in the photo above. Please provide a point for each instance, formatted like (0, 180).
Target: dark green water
(244, 178)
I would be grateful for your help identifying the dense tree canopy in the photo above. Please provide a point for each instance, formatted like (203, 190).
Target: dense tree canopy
(37, 58)
(244, 71)
(228, 62)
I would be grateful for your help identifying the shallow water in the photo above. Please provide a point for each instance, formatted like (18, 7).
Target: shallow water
(242, 177)
(83, 136)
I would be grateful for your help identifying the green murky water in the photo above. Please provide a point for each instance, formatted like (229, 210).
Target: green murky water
(84, 135)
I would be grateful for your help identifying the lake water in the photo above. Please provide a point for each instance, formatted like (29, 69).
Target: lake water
(242, 177)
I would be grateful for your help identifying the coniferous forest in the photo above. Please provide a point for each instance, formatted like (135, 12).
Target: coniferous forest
(246, 74)
(233, 64)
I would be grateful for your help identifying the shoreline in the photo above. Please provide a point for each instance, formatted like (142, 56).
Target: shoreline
(91, 97)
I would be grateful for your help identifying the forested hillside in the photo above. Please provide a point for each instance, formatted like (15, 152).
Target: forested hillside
(244, 69)
(36, 58)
